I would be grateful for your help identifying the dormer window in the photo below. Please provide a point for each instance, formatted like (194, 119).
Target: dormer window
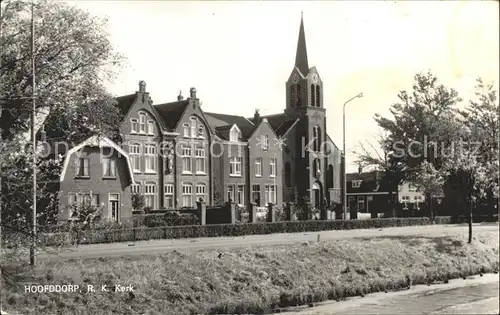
(356, 183)
(201, 131)
(133, 125)
(151, 128)
(234, 134)
(193, 127)
(142, 122)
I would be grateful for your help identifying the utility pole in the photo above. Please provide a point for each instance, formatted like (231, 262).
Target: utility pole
(1, 141)
(33, 133)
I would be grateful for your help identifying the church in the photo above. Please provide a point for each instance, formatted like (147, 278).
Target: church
(176, 153)
(312, 161)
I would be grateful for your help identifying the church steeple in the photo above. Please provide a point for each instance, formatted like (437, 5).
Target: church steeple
(301, 55)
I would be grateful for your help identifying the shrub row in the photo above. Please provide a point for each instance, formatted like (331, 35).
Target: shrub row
(194, 231)
(127, 233)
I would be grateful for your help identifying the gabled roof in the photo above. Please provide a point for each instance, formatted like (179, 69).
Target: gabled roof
(279, 122)
(171, 112)
(285, 126)
(97, 141)
(125, 102)
(223, 122)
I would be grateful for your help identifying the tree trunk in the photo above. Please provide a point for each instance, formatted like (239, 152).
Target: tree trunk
(470, 222)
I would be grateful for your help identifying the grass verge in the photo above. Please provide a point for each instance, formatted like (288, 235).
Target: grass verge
(250, 280)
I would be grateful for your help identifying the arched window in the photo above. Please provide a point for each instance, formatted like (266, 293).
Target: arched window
(315, 135)
(316, 166)
(329, 178)
(318, 96)
(298, 96)
(312, 95)
(319, 143)
(288, 175)
(292, 95)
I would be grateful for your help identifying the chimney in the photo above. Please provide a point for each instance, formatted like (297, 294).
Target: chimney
(360, 169)
(192, 93)
(180, 97)
(256, 117)
(142, 86)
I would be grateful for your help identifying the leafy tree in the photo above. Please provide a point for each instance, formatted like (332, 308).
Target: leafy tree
(422, 128)
(72, 59)
(474, 167)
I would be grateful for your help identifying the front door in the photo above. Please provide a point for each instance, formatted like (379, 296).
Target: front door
(114, 207)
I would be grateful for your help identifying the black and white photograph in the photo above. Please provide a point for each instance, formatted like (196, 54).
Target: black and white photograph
(249, 157)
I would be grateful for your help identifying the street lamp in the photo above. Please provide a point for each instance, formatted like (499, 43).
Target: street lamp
(360, 95)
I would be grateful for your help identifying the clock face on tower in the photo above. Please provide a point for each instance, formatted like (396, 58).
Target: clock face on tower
(295, 78)
(314, 78)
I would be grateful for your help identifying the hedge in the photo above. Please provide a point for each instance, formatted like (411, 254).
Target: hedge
(217, 230)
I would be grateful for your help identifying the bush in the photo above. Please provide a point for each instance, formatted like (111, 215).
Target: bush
(195, 231)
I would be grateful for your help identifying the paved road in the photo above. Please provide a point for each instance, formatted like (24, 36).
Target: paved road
(162, 246)
(478, 295)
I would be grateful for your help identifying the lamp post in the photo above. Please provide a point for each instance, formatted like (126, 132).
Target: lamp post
(360, 95)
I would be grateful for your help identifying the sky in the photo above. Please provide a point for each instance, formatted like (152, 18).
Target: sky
(239, 55)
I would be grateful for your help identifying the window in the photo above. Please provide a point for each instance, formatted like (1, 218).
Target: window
(201, 131)
(315, 139)
(234, 135)
(142, 123)
(256, 194)
(151, 127)
(169, 196)
(265, 142)
(270, 194)
(186, 160)
(187, 195)
(235, 166)
(272, 167)
(258, 167)
(318, 102)
(193, 127)
(241, 195)
(298, 96)
(185, 128)
(416, 198)
(149, 195)
(411, 187)
(201, 192)
(135, 157)
(80, 199)
(135, 189)
(200, 161)
(230, 193)
(356, 183)
(313, 103)
(150, 158)
(133, 125)
(82, 167)
(405, 198)
(361, 203)
(109, 167)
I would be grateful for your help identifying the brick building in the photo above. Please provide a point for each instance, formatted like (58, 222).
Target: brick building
(178, 153)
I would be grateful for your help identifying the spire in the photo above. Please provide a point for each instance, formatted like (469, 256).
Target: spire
(301, 56)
